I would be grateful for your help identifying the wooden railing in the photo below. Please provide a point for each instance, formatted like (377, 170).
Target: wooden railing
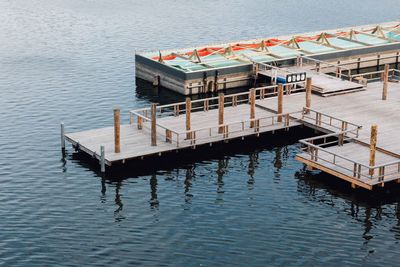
(316, 148)
(342, 71)
(329, 122)
(206, 104)
(394, 75)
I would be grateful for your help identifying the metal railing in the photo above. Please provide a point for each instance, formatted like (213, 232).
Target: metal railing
(329, 122)
(206, 104)
(317, 149)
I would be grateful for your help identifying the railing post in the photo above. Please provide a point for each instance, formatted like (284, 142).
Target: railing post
(168, 136)
(139, 123)
(221, 103)
(338, 70)
(102, 160)
(280, 102)
(385, 82)
(205, 105)
(188, 115)
(372, 148)
(308, 94)
(117, 129)
(153, 124)
(62, 137)
(252, 107)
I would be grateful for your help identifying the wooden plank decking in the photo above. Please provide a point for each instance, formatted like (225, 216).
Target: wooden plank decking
(343, 115)
(136, 143)
(361, 108)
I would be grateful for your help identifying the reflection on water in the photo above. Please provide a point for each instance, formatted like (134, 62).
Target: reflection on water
(248, 204)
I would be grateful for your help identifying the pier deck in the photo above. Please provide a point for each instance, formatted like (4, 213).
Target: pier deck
(350, 161)
(135, 143)
(346, 119)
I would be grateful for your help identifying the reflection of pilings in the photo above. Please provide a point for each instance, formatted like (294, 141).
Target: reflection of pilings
(188, 183)
(222, 166)
(354, 209)
(278, 158)
(253, 164)
(153, 192)
(396, 229)
(367, 223)
(118, 201)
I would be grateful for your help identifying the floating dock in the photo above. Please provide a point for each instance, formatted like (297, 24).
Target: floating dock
(223, 66)
(348, 149)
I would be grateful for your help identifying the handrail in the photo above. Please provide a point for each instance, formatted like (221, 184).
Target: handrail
(240, 98)
(330, 116)
(312, 149)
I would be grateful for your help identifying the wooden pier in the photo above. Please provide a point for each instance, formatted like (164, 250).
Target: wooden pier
(347, 150)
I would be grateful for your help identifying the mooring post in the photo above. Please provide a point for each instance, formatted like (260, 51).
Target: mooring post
(280, 101)
(372, 148)
(153, 124)
(62, 137)
(188, 111)
(117, 129)
(385, 82)
(102, 160)
(308, 94)
(221, 104)
(252, 107)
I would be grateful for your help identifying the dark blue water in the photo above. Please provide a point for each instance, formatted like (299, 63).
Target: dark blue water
(252, 205)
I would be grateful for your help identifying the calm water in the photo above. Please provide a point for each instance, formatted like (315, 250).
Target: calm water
(73, 61)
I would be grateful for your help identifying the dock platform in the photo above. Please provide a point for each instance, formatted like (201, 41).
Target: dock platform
(344, 150)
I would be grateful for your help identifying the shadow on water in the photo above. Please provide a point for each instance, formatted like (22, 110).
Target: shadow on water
(180, 160)
(363, 205)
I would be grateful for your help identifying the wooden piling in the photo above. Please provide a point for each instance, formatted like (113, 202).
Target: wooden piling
(168, 136)
(62, 137)
(221, 104)
(385, 82)
(308, 94)
(252, 107)
(188, 113)
(140, 123)
(153, 124)
(117, 129)
(372, 148)
(280, 101)
(102, 160)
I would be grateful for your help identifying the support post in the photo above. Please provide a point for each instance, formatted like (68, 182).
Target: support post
(385, 82)
(372, 148)
(280, 102)
(153, 124)
(252, 107)
(62, 137)
(308, 94)
(102, 160)
(188, 111)
(221, 103)
(117, 141)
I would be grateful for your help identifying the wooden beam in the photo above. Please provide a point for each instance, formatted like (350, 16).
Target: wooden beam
(117, 129)
(252, 100)
(221, 104)
(153, 124)
(372, 147)
(308, 93)
(188, 115)
(280, 101)
(385, 82)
